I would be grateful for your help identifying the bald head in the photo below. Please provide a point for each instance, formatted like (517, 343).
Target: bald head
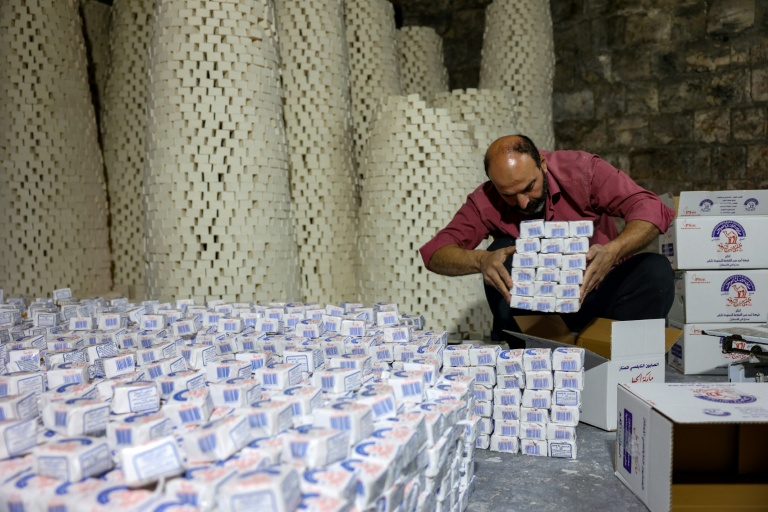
(518, 173)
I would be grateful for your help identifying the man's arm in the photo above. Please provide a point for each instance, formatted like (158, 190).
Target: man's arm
(452, 260)
(601, 258)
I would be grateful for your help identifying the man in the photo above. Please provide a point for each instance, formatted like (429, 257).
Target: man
(525, 183)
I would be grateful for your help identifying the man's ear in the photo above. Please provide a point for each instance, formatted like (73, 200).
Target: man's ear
(543, 163)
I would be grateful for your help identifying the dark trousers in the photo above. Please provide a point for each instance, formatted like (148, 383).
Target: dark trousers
(639, 288)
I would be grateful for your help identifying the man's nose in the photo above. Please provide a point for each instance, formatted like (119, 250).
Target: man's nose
(522, 201)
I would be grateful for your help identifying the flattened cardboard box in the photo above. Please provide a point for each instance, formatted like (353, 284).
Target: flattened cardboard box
(694, 446)
(616, 352)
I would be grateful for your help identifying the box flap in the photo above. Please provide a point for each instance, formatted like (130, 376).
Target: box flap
(549, 327)
(671, 336)
(637, 338)
(596, 336)
(745, 402)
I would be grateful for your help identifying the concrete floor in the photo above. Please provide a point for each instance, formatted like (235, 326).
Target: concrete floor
(512, 483)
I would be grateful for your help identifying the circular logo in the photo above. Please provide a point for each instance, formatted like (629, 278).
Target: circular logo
(724, 397)
(716, 412)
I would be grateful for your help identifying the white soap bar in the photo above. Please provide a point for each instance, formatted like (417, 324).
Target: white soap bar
(569, 380)
(406, 351)
(387, 318)
(480, 393)
(111, 367)
(506, 412)
(25, 360)
(574, 261)
(537, 359)
(408, 386)
(575, 276)
(17, 437)
(180, 381)
(148, 462)
(527, 244)
(225, 369)
(257, 360)
(165, 366)
(543, 288)
(350, 327)
(537, 398)
(507, 396)
(308, 358)
(471, 429)
(276, 489)
(567, 291)
(73, 458)
(532, 229)
(310, 328)
(198, 356)
(523, 275)
(581, 228)
(533, 447)
(539, 380)
(430, 368)
(334, 481)
(315, 447)
(550, 260)
(385, 451)
(219, 440)
(568, 359)
(544, 303)
(483, 441)
(269, 417)
(561, 432)
(484, 375)
(567, 305)
(562, 449)
(509, 362)
(355, 418)
(102, 350)
(193, 406)
(555, 229)
(338, 380)
(576, 245)
(565, 415)
(522, 288)
(18, 407)
(137, 429)
(511, 381)
(200, 484)
(552, 246)
(355, 362)
(399, 334)
(136, 397)
(68, 373)
(237, 392)
(483, 408)
(569, 397)
(509, 428)
(533, 415)
(521, 302)
(504, 444)
(530, 430)
(525, 259)
(456, 355)
(76, 417)
(281, 375)
(304, 399)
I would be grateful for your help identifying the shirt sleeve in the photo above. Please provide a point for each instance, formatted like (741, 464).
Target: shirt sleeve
(613, 192)
(466, 230)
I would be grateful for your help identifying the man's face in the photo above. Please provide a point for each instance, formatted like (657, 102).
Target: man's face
(520, 182)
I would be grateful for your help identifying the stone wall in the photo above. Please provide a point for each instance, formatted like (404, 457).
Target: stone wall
(675, 92)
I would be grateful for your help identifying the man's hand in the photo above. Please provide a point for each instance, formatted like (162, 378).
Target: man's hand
(600, 260)
(495, 273)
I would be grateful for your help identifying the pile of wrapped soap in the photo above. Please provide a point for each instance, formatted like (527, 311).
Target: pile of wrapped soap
(548, 265)
(528, 399)
(113, 405)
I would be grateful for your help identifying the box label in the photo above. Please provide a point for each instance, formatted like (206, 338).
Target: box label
(627, 433)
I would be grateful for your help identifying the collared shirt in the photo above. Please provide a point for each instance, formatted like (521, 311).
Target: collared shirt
(582, 186)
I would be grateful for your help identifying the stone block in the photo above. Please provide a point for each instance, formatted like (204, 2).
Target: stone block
(706, 56)
(730, 89)
(628, 132)
(671, 128)
(667, 61)
(689, 22)
(608, 33)
(729, 162)
(565, 11)
(573, 40)
(567, 75)
(758, 52)
(597, 69)
(730, 16)
(648, 27)
(740, 50)
(749, 123)
(582, 135)
(642, 98)
(631, 64)
(694, 164)
(757, 163)
(610, 100)
(711, 126)
(574, 105)
(760, 84)
(684, 94)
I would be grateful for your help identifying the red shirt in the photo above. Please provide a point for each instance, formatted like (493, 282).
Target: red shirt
(582, 186)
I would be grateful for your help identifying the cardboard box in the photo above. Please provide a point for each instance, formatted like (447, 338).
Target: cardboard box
(701, 354)
(719, 296)
(716, 242)
(724, 202)
(615, 352)
(694, 446)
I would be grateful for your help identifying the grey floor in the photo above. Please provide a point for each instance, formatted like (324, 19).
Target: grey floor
(512, 483)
